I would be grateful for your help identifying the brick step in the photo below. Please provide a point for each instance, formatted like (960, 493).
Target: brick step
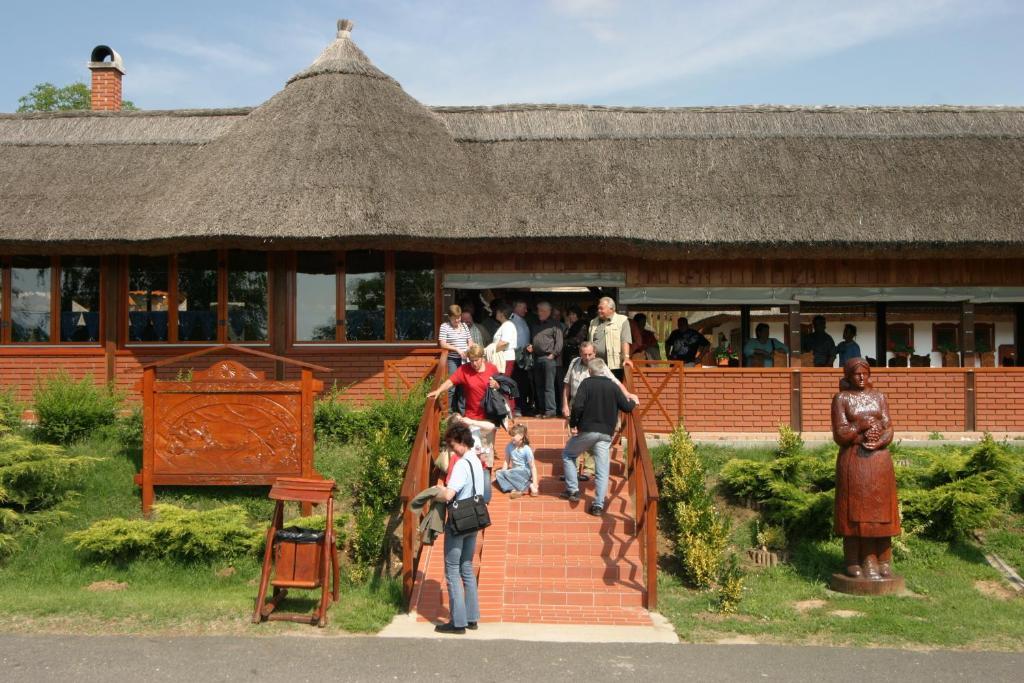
(555, 568)
(570, 585)
(541, 614)
(523, 597)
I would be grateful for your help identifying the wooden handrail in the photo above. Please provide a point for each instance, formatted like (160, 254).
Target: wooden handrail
(644, 488)
(417, 476)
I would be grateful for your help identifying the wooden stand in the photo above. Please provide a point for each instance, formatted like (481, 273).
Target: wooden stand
(841, 583)
(298, 560)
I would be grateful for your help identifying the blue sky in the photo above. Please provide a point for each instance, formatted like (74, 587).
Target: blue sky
(223, 53)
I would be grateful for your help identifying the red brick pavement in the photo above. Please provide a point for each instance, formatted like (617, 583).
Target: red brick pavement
(544, 560)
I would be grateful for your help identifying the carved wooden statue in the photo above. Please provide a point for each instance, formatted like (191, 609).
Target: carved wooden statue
(867, 515)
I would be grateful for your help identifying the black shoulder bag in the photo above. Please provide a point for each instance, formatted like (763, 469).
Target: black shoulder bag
(469, 514)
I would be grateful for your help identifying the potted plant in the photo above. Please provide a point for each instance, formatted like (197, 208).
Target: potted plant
(950, 355)
(724, 353)
(900, 351)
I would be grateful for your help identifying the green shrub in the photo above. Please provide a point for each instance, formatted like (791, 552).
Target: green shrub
(10, 409)
(730, 586)
(367, 541)
(68, 409)
(790, 442)
(384, 458)
(767, 536)
(700, 534)
(952, 511)
(35, 480)
(336, 420)
(129, 429)
(174, 533)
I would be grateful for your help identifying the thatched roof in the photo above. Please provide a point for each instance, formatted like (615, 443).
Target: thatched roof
(343, 157)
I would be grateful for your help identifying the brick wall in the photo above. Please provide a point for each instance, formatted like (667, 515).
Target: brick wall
(735, 400)
(920, 399)
(1000, 399)
(21, 371)
(362, 370)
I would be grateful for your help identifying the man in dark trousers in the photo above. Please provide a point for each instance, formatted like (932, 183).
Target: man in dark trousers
(595, 412)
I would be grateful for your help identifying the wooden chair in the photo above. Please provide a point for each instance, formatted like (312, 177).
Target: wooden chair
(299, 558)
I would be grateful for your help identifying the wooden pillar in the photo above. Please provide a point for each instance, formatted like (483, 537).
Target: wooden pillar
(1018, 333)
(280, 306)
(967, 342)
(794, 340)
(881, 336)
(744, 332)
(796, 415)
(112, 329)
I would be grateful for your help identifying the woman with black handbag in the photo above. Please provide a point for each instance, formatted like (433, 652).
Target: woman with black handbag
(467, 514)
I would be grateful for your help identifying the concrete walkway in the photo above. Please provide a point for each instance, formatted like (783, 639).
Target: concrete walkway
(126, 658)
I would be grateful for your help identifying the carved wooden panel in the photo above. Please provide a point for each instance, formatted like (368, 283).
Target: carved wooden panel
(227, 434)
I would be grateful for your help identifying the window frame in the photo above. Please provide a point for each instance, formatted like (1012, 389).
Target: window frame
(946, 327)
(222, 257)
(7, 329)
(340, 328)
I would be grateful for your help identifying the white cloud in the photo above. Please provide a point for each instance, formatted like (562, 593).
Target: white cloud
(221, 55)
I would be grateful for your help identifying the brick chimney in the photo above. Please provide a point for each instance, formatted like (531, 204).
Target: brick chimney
(106, 79)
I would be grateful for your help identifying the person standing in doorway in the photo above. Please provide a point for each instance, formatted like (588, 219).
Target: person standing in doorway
(455, 337)
(522, 377)
(546, 347)
(759, 350)
(609, 333)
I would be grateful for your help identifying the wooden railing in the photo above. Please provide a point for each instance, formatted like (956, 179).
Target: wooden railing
(417, 476)
(643, 487)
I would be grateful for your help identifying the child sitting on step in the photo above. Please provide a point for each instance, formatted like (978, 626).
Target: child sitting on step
(519, 472)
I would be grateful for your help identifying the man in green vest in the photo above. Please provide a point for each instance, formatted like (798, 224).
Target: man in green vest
(609, 332)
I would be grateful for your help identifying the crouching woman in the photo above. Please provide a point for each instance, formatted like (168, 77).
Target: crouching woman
(465, 481)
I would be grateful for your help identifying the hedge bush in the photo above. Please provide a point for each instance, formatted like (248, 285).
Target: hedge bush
(174, 533)
(35, 481)
(336, 419)
(68, 409)
(10, 409)
(699, 533)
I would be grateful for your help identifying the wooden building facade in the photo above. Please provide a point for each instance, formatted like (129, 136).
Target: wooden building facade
(332, 223)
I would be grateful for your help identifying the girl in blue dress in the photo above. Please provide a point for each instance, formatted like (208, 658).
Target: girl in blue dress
(519, 472)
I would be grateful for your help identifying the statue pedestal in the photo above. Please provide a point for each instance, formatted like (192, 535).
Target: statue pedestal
(841, 583)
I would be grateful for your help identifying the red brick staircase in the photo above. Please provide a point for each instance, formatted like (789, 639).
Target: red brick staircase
(545, 560)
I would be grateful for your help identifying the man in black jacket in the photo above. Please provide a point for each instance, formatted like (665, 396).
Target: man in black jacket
(595, 412)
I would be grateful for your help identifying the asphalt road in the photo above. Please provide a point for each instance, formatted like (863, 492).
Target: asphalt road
(297, 658)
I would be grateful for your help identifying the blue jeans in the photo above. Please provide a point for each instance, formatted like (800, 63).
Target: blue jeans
(456, 399)
(598, 444)
(458, 573)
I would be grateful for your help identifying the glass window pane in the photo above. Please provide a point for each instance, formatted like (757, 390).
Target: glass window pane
(79, 298)
(31, 277)
(197, 297)
(364, 296)
(248, 296)
(414, 297)
(316, 297)
(148, 282)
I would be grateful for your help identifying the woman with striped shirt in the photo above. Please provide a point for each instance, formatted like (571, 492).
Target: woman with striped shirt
(455, 337)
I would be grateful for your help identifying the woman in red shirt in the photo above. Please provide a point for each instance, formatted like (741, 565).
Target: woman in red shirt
(474, 377)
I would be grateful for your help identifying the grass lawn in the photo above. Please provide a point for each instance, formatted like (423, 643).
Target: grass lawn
(956, 601)
(47, 586)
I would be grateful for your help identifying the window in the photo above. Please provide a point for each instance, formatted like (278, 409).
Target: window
(45, 299)
(31, 297)
(79, 299)
(248, 292)
(945, 337)
(900, 337)
(316, 297)
(414, 297)
(364, 296)
(204, 296)
(148, 299)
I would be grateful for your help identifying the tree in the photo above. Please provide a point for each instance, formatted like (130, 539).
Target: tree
(48, 97)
